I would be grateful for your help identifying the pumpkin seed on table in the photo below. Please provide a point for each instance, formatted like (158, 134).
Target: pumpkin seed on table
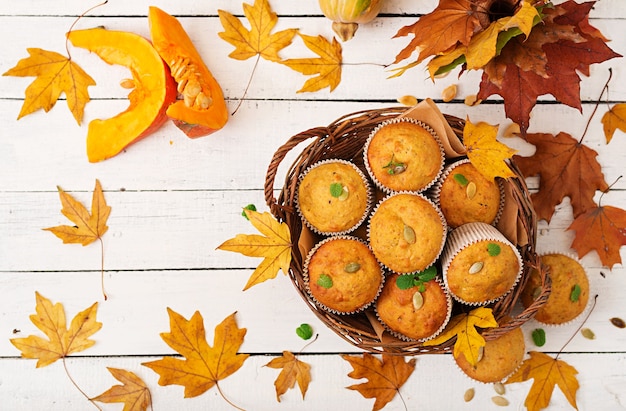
(500, 401)
(499, 388)
(469, 394)
(588, 334)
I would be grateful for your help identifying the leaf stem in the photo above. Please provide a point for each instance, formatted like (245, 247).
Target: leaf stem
(595, 299)
(67, 49)
(226, 399)
(104, 293)
(245, 91)
(76, 385)
(606, 87)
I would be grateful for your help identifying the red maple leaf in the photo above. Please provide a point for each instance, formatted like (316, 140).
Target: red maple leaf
(566, 168)
(602, 229)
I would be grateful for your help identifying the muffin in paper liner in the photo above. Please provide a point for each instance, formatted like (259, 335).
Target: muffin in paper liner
(564, 304)
(403, 154)
(407, 232)
(332, 213)
(342, 275)
(468, 196)
(396, 311)
(480, 266)
(500, 358)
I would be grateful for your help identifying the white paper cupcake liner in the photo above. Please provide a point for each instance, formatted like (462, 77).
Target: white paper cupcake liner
(403, 337)
(468, 234)
(370, 198)
(377, 182)
(435, 207)
(306, 276)
(435, 190)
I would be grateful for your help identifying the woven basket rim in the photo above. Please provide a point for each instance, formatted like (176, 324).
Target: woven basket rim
(344, 138)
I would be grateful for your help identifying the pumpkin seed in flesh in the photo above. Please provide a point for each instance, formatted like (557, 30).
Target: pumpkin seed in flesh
(352, 267)
(476, 267)
(418, 300)
(470, 191)
(409, 234)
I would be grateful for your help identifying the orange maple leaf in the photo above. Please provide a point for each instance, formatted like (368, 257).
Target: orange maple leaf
(88, 227)
(602, 229)
(133, 392)
(259, 40)
(293, 370)
(468, 339)
(61, 341)
(55, 74)
(385, 377)
(486, 153)
(614, 119)
(203, 366)
(274, 246)
(547, 372)
(565, 168)
(327, 66)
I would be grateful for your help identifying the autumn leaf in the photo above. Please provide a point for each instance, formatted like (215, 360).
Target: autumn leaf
(292, 370)
(602, 229)
(259, 39)
(327, 66)
(486, 153)
(546, 373)
(203, 366)
(133, 392)
(274, 246)
(61, 342)
(55, 74)
(614, 119)
(468, 339)
(88, 227)
(565, 168)
(385, 376)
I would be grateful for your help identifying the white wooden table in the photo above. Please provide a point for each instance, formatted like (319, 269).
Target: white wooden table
(174, 200)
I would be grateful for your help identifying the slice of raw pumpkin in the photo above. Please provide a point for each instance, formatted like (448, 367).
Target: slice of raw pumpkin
(154, 90)
(201, 109)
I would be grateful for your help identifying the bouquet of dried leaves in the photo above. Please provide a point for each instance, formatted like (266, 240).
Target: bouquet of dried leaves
(525, 48)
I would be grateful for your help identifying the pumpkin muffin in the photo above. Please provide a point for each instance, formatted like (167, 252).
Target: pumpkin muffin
(406, 232)
(500, 358)
(479, 264)
(418, 312)
(403, 154)
(342, 275)
(466, 196)
(334, 197)
(570, 289)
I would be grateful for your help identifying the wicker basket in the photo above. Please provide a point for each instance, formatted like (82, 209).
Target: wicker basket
(344, 139)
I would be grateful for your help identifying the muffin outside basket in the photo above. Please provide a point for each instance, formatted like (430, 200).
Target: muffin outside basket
(345, 139)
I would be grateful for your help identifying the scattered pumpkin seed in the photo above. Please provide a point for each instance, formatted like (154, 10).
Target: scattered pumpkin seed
(500, 401)
(469, 394)
(499, 388)
(409, 234)
(449, 93)
(408, 100)
(618, 322)
(472, 100)
(588, 334)
(476, 267)
(470, 191)
(418, 300)
(352, 267)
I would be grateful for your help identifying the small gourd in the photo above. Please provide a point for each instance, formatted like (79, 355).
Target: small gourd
(348, 14)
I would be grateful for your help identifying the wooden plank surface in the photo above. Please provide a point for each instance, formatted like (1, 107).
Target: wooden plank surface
(175, 200)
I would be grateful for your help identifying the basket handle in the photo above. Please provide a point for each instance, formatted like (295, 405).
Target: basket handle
(278, 157)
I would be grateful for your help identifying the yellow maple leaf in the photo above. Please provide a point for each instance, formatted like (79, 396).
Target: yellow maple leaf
(384, 376)
(61, 341)
(327, 66)
(203, 366)
(274, 246)
(468, 339)
(55, 74)
(486, 153)
(133, 392)
(292, 370)
(546, 372)
(259, 39)
(88, 227)
(614, 119)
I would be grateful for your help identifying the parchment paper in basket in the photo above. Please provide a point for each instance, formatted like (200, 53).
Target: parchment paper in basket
(428, 112)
